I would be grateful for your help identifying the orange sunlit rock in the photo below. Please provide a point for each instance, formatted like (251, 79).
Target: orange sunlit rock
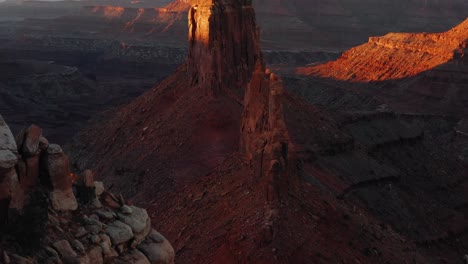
(134, 19)
(394, 56)
(110, 12)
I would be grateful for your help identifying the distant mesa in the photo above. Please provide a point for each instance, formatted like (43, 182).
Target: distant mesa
(132, 17)
(395, 56)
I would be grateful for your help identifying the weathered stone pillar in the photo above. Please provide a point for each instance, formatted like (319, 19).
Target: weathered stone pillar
(58, 173)
(86, 188)
(28, 145)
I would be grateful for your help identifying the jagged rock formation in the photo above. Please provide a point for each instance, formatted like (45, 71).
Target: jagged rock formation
(395, 56)
(265, 140)
(271, 178)
(45, 216)
(204, 98)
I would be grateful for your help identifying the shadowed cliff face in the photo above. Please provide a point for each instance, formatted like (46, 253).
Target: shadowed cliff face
(223, 42)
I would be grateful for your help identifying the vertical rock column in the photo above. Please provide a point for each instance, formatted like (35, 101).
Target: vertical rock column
(58, 173)
(223, 45)
(264, 139)
(28, 145)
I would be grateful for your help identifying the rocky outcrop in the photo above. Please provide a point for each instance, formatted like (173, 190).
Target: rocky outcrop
(265, 141)
(264, 138)
(41, 215)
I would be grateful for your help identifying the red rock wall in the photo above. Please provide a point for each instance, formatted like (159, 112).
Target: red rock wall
(224, 45)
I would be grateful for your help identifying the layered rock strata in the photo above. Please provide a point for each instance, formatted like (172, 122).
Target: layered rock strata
(395, 56)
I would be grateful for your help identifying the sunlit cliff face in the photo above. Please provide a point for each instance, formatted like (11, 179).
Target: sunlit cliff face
(395, 56)
(222, 33)
(199, 28)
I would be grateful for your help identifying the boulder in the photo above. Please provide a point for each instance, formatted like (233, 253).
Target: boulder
(158, 253)
(99, 188)
(54, 149)
(138, 220)
(43, 143)
(155, 236)
(107, 215)
(63, 200)
(32, 137)
(51, 252)
(8, 159)
(7, 141)
(58, 175)
(126, 210)
(58, 169)
(119, 232)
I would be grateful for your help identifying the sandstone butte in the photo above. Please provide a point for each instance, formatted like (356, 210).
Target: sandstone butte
(235, 169)
(395, 56)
